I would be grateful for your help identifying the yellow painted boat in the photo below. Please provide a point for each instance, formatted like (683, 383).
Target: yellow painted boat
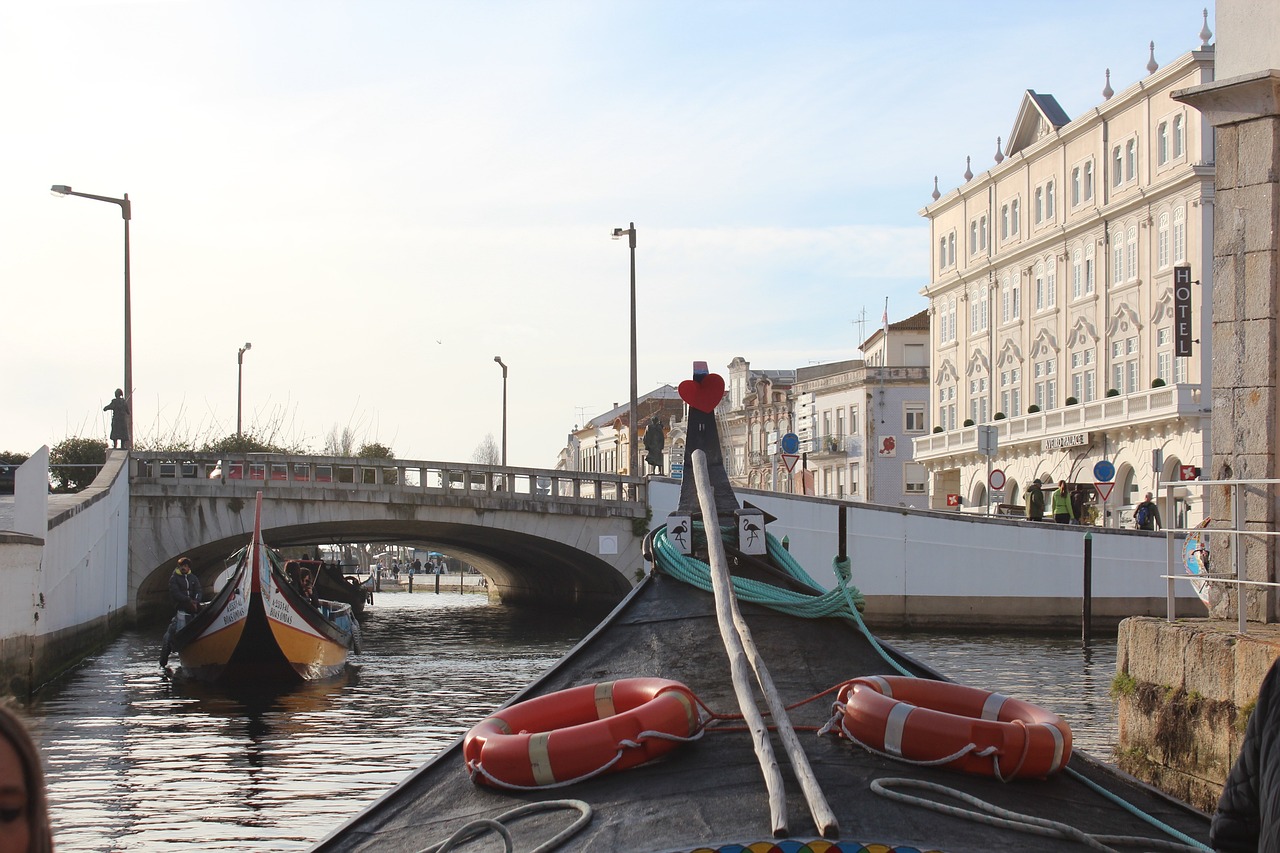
(260, 627)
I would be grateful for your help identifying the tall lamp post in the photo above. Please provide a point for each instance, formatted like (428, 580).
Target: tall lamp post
(126, 213)
(240, 382)
(498, 359)
(633, 449)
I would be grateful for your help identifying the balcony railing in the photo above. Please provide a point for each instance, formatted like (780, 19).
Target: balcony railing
(1141, 407)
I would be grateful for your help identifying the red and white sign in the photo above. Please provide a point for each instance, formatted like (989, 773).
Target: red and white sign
(953, 500)
(996, 479)
(1104, 490)
(790, 459)
(1187, 472)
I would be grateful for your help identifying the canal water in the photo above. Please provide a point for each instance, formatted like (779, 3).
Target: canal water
(140, 763)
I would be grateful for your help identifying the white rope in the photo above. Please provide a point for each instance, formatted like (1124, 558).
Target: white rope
(996, 816)
(961, 753)
(623, 745)
(480, 826)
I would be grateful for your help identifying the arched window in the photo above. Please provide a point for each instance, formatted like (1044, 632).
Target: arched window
(1077, 273)
(1179, 234)
(1089, 275)
(1162, 143)
(1051, 280)
(1179, 137)
(1131, 253)
(1041, 296)
(1131, 159)
(1162, 242)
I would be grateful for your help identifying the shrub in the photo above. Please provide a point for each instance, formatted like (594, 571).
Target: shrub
(84, 458)
(1157, 382)
(1032, 409)
(1113, 392)
(999, 416)
(1072, 401)
(968, 422)
(937, 429)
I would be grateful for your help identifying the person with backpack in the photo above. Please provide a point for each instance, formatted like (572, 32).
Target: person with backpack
(1146, 515)
(1035, 501)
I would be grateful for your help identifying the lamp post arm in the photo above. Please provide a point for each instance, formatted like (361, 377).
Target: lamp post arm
(126, 211)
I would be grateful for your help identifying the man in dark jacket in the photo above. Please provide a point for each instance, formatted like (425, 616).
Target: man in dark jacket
(1248, 815)
(184, 589)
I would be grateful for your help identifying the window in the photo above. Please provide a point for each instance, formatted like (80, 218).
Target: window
(942, 253)
(978, 309)
(1130, 160)
(1004, 222)
(1011, 391)
(1051, 280)
(1077, 273)
(1039, 205)
(1088, 180)
(1124, 365)
(943, 331)
(1075, 187)
(1117, 167)
(951, 249)
(1164, 355)
(1050, 212)
(914, 417)
(914, 482)
(1046, 385)
(1088, 268)
(973, 237)
(1131, 253)
(1039, 286)
(1015, 208)
(855, 471)
(1005, 299)
(951, 309)
(1117, 259)
(1179, 234)
(1179, 137)
(978, 401)
(947, 407)
(1084, 385)
(840, 422)
(1162, 242)
(853, 420)
(1162, 143)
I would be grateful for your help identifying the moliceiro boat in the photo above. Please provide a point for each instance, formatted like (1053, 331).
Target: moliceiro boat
(729, 704)
(262, 627)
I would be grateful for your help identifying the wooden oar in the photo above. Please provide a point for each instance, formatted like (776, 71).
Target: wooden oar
(742, 652)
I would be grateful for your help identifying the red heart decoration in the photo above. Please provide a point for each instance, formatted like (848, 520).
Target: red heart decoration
(704, 395)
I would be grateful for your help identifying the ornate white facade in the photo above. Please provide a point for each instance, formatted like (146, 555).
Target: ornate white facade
(1051, 298)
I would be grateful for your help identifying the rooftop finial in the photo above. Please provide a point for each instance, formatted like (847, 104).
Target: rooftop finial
(968, 172)
(999, 153)
(1152, 65)
(1107, 91)
(936, 195)
(1205, 34)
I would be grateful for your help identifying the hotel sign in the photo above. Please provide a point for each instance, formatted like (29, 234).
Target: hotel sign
(1182, 310)
(1062, 442)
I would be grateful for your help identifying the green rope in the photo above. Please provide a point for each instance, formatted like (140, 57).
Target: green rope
(842, 602)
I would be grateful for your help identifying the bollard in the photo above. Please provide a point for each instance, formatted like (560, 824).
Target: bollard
(437, 582)
(1087, 616)
(410, 583)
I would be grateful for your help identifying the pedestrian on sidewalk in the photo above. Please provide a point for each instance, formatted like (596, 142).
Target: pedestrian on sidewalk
(1063, 511)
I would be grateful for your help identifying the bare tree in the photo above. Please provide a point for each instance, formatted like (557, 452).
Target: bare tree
(340, 442)
(487, 452)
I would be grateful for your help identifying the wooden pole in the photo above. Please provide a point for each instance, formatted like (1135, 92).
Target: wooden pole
(741, 648)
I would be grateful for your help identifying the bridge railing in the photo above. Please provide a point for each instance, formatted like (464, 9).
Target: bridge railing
(282, 471)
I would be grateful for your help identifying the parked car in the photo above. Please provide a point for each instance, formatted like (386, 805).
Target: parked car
(7, 474)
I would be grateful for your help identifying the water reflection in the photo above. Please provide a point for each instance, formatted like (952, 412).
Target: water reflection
(138, 762)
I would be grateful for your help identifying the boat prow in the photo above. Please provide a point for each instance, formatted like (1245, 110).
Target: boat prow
(260, 628)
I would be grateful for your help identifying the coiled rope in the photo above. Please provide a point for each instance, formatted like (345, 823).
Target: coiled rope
(479, 827)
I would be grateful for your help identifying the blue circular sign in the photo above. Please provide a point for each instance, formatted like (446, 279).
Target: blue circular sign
(790, 443)
(1104, 472)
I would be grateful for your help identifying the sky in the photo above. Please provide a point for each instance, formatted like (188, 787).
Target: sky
(382, 196)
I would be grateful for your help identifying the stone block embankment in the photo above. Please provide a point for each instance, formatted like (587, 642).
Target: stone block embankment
(1185, 690)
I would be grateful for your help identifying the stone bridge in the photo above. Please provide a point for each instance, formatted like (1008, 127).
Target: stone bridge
(562, 539)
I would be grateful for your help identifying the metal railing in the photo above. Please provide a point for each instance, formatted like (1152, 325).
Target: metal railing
(282, 471)
(1227, 527)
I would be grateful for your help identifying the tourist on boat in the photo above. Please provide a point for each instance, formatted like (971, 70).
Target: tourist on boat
(1063, 510)
(1248, 814)
(1146, 515)
(307, 586)
(119, 409)
(1034, 500)
(184, 589)
(24, 804)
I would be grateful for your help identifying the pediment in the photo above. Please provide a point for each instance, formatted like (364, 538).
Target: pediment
(1124, 321)
(947, 374)
(1163, 308)
(1010, 354)
(978, 363)
(1044, 344)
(1082, 334)
(1038, 116)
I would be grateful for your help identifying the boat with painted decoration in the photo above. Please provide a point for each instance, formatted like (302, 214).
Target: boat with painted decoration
(264, 626)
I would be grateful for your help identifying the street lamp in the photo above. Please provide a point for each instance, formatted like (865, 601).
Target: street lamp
(240, 381)
(498, 359)
(126, 213)
(633, 464)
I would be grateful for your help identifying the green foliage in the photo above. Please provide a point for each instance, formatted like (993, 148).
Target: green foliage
(10, 458)
(1032, 409)
(1113, 392)
(1123, 684)
(968, 422)
(374, 450)
(1157, 382)
(937, 429)
(74, 451)
(998, 416)
(1072, 401)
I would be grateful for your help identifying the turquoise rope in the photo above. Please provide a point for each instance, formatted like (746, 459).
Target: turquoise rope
(842, 602)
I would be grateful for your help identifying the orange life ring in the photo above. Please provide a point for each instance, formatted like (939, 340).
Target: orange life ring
(577, 733)
(925, 721)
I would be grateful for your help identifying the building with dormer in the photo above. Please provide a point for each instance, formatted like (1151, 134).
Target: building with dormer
(1055, 316)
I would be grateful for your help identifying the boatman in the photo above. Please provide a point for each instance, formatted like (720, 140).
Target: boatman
(184, 589)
